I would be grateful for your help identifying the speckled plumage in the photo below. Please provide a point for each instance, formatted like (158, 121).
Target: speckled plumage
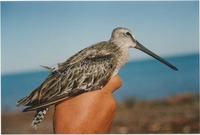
(88, 70)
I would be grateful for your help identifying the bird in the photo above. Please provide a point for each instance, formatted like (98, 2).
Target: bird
(88, 70)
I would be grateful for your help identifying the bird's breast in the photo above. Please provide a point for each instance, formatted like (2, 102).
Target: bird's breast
(122, 58)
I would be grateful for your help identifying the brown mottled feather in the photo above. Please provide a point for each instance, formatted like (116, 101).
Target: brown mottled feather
(90, 69)
(83, 72)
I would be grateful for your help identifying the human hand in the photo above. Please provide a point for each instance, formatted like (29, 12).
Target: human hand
(91, 112)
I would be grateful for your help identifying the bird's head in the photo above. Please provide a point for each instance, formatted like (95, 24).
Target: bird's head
(125, 36)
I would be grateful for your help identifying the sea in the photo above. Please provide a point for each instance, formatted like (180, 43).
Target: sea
(142, 80)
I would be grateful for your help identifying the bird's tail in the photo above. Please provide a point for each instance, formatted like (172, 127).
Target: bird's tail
(29, 100)
(22, 101)
(38, 117)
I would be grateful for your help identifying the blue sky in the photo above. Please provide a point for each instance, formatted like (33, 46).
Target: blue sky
(47, 33)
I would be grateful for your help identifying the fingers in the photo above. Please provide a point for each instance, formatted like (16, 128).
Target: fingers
(82, 110)
(114, 84)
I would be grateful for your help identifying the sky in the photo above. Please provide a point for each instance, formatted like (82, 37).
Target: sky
(47, 33)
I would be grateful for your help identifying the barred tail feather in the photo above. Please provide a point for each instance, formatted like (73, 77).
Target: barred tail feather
(38, 117)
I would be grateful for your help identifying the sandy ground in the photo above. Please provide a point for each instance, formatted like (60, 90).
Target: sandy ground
(177, 114)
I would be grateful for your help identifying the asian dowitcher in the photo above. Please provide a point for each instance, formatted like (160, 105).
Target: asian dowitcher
(89, 69)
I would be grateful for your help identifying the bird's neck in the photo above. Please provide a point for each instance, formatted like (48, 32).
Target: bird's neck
(122, 54)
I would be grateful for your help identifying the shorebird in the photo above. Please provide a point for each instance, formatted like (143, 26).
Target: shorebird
(89, 69)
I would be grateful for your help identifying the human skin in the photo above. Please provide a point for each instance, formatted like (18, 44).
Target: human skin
(91, 112)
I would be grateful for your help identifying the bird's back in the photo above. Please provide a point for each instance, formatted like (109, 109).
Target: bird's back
(90, 69)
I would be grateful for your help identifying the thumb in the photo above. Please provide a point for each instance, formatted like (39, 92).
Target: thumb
(113, 84)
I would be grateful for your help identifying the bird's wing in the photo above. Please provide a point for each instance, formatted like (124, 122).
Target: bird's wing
(92, 72)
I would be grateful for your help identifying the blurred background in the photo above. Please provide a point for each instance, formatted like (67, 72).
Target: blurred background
(153, 98)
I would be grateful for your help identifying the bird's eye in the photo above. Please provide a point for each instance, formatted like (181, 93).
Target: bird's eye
(127, 33)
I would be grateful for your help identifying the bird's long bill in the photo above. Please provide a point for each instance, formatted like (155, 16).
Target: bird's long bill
(144, 49)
